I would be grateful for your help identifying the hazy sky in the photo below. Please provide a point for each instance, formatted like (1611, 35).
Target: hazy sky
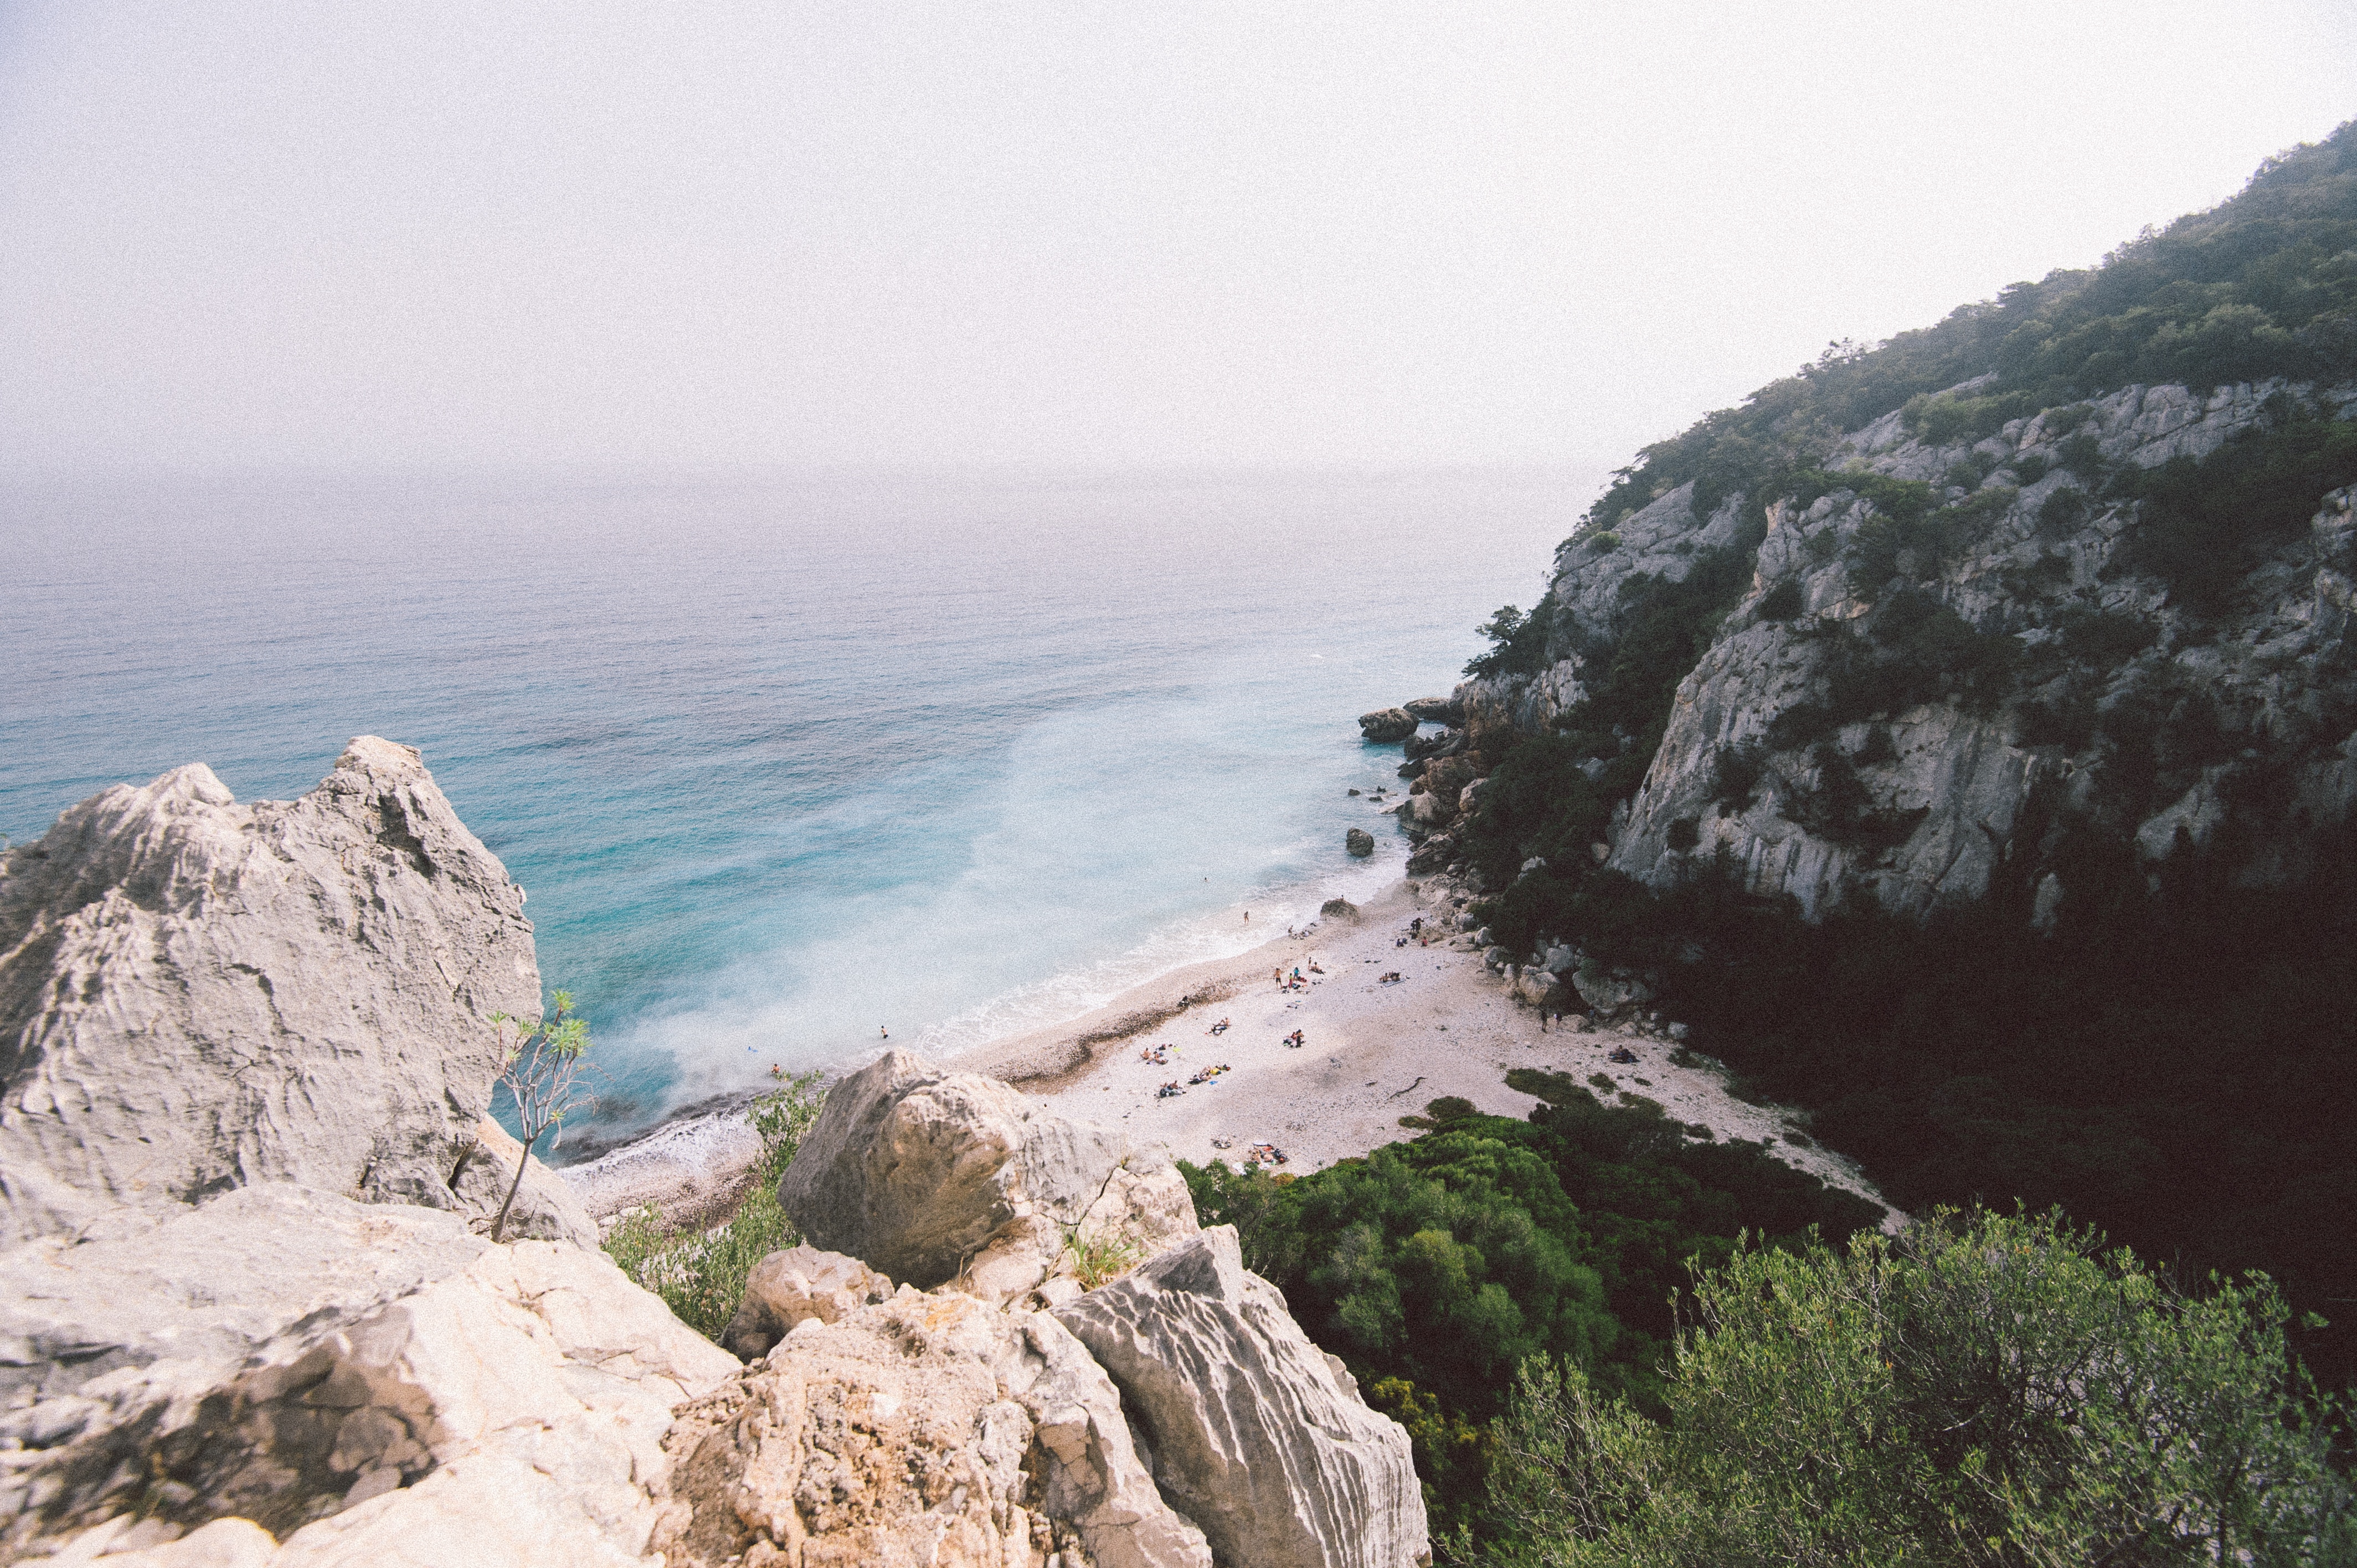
(1284, 232)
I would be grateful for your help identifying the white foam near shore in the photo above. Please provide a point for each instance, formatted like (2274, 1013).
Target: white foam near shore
(1373, 1052)
(679, 1167)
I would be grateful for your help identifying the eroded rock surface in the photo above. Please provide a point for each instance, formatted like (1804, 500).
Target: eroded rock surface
(801, 1283)
(2112, 701)
(373, 1383)
(197, 995)
(933, 1176)
(925, 1432)
(1256, 1435)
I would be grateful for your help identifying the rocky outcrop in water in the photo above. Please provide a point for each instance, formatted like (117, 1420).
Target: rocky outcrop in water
(933, 1176)
(196, 995)
(1386, 725)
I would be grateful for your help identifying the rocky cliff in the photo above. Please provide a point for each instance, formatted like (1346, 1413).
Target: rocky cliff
(2063, 578)
(196, 995)
(1944, 652)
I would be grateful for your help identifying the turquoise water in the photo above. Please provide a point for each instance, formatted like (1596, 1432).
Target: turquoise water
(782, 761)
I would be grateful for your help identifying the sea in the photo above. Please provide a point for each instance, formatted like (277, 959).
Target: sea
(787, 761)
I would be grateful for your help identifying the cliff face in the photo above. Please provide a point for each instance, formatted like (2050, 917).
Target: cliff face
(1953, 651)
(196, 995)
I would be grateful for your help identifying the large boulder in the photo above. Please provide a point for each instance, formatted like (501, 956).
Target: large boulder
(1433, 854)
(1386, 725)
(793, 1286)
(1444, 744)
(933, 1176)
(1256, 1435)
(373, 1383)
(1610, 991)
(1359, 842)
(197, 995)
(927, 1430)
(1447, 776)
(1436, 710)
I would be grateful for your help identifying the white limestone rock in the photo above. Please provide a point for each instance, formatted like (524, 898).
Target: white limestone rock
(197, 995)
(932, 1177)
(927, 1429)
(373, 1383)
(1255, 1434)
(1959, 794)
(789, 1286)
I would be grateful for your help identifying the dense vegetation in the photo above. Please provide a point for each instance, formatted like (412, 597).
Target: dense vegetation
(1987, 1389)
(2265, 284)
(1435, 1268)
(2172, 1065)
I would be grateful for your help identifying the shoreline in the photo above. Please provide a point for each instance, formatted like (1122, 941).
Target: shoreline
(1372, 1053)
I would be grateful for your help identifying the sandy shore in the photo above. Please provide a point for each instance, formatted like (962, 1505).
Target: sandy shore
(1372, 1053)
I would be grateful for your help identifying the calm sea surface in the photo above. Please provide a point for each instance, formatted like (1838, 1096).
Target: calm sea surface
(781, 762)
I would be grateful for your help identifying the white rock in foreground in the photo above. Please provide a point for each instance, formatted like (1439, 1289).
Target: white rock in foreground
(372, 1382)
(1257, 1435)
(196, 996)
(789, 1287)
(933, 1176)
(925, 1432)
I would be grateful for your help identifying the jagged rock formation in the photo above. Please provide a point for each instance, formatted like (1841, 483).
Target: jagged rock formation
(196, 996)
(1257, 1437)
(941, 1429)
(934, 1176)
(1387, 725)
(1919, 688)
(925, 1430)
(375, 1383)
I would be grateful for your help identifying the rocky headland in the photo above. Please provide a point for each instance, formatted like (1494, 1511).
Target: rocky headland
(254, 1316)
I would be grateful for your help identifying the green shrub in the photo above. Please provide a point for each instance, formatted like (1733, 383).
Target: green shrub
(1783, 601)
(1441, 1264)
(2201, 526)
(1947, 419)
(1517, 642)
(1986, 1389)
(2062, 512)
(701, 1277)
(1735, 775)
(1684, 835)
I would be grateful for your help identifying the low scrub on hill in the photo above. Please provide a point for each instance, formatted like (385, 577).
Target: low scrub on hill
(1435, 1268)
(1989, 1389)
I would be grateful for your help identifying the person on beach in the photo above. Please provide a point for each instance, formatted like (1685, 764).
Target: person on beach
(883, 1031)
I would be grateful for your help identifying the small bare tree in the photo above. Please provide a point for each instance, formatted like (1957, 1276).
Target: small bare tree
(541, 1066)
